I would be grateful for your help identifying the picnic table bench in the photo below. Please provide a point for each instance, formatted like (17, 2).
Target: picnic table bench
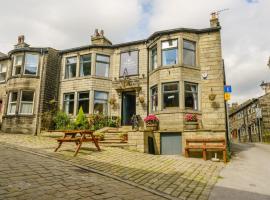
(72, 136)
(205, 144)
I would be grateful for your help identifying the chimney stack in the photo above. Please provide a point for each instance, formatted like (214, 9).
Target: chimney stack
(21, 43)
(214, 22)
(99, 39)
(266, 87)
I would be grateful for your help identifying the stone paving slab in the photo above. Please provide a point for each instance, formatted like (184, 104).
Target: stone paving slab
(172, 175)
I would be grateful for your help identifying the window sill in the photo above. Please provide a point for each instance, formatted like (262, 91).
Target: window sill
(23, 76)
(86, 77)
(173, 66)
(175, 110)
(19, 115)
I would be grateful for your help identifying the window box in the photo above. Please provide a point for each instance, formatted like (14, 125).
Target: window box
(191, 125)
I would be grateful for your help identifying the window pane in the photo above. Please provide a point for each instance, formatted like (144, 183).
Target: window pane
(84, 101)
(31, 64)
(154, 58)
(191, 96)
(171, 99)
(129, 61)
(169, 44)
(70, 70)
(169, 57)
(84, 95)
(101, 95)
(101, 103)
(189, 57)
(154, 98)
(72, 60)
(103, 58)
(69, 103)
(26, 108)
(170, 87)
(102, 69)
(85, 65)
(27, 96)
(2, 76)
(189, 45)
(69, 97)
(3, 68)
(12, 108)
(13, 96)
(18, 60)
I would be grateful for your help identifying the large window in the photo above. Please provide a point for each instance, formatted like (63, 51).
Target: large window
(129, 63)
(191, 96)
(83, 101)
(70, 69)
(154, 98)
(69, 103)
(3, 72)
(170, 95)
(27, 102)
(12, 103)
(85, 65)
(17, 64)
(101, 103)
(154, 58)
(169, 52)
(189, 53)
(102, 65)
(31, 64)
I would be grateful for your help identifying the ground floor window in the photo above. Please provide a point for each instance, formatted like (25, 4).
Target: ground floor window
(12, 103)
(154, 98)
(69, 103)
(101, 103)
(27, 102)
(170, 95)
(191, 96)
(83, 101)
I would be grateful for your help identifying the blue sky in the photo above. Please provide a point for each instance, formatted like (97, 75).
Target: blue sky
(65, 24)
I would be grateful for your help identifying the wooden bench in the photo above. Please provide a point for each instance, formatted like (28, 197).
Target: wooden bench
(206, 144)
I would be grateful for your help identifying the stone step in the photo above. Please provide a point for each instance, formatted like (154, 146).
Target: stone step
(111, 141)
(105, 138)
(119, 145)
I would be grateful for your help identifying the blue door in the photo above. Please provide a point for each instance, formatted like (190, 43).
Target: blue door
(170, 143)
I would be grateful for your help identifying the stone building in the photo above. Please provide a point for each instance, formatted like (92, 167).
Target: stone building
(31, 81)
(250, 121)
(170, 74)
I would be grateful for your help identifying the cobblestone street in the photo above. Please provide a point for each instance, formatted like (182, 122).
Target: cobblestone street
(174, 176)
(28, 176)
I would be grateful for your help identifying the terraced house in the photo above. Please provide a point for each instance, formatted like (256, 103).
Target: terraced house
(170, 74)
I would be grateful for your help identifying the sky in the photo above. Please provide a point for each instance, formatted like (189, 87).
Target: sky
(70, 23)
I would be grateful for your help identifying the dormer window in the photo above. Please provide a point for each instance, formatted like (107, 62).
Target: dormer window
(17, 66)
(31, 64)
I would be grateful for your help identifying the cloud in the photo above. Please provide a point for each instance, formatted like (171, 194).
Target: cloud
(65, 24)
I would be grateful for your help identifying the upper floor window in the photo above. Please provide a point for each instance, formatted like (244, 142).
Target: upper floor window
(101, 103)
(17, 64)
(69, 103)
(154, 58)
(70, 69)
(169, 52)
(102, 65)
(3, 72)
(12, 103)
(189, 53)
(191, 96)
(31, 64)
(154, 98)
(83, 101)
(129, 63)
(27, 102)
(170, 95)
(85, 65)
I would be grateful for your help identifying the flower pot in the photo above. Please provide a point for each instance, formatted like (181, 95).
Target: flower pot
(151, 127)
(191, 125)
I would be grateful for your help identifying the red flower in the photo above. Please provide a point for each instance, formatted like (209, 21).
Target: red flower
(191, 117)
(151, 119)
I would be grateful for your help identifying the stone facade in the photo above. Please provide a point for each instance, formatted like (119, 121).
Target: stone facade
(184, 66)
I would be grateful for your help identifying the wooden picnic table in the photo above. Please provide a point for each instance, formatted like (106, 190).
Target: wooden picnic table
(72, 136)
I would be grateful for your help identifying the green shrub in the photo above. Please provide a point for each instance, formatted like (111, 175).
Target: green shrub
(81, 121)
(97, 121)
(61, 120)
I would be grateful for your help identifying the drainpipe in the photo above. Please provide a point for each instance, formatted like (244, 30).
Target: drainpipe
(147, 112)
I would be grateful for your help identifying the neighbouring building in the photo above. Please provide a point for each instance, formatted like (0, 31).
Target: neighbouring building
(250, 121)
(170, 74)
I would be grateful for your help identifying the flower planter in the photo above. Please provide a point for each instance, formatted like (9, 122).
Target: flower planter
(191, 125)
(151, 127)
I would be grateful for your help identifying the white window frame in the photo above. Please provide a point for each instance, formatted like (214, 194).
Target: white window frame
(14, 66)
(1, 72)
(65, 67)
(25, 64)
(20, 104)
(68, 101)
(12, 102)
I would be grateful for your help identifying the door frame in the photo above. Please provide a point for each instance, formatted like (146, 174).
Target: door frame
(122, 104)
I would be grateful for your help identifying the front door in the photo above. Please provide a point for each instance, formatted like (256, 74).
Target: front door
(128, 107)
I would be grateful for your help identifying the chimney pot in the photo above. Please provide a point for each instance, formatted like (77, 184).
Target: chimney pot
(102, 33)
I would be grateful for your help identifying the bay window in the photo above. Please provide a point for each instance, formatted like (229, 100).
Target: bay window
(12, 103)
(31, 64)
(70, 68)
(69, 103)
(170, 95)
(3, 72)
(85, 65)
(169, 52)
(129, 63)
(102, 65)
(17, 64)
(191, 96)
(154, 58)
(154, 98)
(101, 103)
(27, 102)
(189, 53)
(83, 101)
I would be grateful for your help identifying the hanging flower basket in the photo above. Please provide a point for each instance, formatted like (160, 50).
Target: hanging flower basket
(151, 122)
